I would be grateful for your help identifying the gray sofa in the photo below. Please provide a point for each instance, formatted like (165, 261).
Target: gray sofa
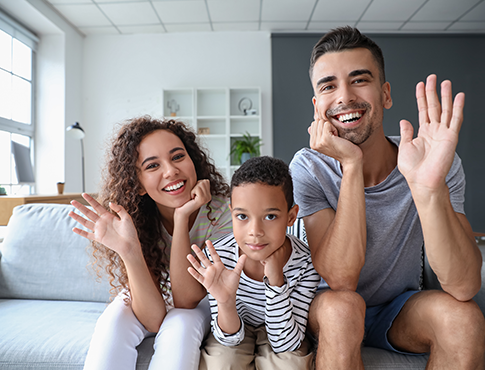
(50, 300)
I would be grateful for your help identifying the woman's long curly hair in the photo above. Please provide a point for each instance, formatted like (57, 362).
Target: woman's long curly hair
(121, 186)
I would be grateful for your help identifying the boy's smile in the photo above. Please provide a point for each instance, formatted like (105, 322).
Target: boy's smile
(260, 216)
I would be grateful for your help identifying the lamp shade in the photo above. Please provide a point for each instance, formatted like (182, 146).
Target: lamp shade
(75, 131)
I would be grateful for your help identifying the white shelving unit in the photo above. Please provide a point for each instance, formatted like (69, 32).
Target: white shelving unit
(219, 116)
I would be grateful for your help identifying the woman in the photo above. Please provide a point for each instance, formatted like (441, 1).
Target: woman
(161, 194)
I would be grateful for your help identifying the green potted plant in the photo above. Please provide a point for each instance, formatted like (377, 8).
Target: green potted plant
(245, 148)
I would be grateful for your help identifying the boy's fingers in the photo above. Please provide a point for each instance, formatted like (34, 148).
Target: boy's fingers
(196, 265)
(212, 251)
(196, 275)
(240, 264)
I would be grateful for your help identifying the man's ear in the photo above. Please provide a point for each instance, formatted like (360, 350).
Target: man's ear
(315, 112)
(292, 215)
(386, 95)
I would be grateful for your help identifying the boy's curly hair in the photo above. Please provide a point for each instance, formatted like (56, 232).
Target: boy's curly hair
(121, 186)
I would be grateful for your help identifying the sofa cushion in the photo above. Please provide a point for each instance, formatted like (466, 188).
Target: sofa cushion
(380, 359)
(42, 258)
(50, 335)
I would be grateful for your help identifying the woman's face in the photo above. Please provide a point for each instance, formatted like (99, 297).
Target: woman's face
(166, 172)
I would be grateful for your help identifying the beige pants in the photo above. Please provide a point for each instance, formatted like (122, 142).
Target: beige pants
(254, 352)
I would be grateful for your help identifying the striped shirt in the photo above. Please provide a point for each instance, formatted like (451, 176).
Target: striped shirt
(284, 310)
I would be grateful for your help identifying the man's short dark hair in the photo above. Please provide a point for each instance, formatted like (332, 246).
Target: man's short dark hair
(347, 38)
(267, 171)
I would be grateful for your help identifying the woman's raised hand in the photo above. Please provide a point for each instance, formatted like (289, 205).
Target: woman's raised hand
(115, 232)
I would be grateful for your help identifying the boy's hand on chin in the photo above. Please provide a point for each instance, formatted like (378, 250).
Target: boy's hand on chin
(273, 266)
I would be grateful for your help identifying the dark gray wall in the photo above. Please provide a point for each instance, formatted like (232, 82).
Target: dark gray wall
(409, 59)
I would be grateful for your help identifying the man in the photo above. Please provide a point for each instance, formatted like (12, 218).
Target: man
(369, 203)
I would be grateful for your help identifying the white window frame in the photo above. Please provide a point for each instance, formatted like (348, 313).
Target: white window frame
(19, 32)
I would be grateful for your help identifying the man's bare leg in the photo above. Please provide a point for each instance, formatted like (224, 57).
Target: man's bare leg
(452, 331)
(337, 320)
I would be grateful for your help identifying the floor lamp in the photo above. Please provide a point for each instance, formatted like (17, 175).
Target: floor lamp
(76, 132)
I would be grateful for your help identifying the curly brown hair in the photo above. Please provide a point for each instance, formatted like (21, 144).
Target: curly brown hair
(121, 186)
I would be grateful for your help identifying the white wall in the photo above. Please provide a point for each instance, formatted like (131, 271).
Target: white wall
(124, 76)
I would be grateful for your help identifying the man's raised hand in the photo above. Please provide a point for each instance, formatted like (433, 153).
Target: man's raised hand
(426, 160)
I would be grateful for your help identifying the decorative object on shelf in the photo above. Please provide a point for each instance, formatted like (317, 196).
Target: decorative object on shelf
(76, 132)
(245, 148)
(203, 131)
(245, 105)
(3, 191)
(173, 106)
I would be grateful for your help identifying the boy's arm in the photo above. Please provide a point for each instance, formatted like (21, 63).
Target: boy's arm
(287, 306)
(221, 283)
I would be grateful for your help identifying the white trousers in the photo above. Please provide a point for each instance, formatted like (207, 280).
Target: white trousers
(177, 344)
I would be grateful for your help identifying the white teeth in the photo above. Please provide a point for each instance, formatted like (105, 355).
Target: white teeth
(174, 187)
(349, 116)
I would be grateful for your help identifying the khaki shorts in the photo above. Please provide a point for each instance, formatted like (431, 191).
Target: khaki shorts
(253, 353)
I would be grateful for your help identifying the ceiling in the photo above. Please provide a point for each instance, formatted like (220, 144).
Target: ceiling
(382, 16)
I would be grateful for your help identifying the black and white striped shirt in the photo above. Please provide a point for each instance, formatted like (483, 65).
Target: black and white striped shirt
(284, 310)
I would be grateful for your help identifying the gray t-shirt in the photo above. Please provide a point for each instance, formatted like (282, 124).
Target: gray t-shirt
(393, 259)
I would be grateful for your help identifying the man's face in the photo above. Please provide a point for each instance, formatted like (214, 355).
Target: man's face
(349, 94)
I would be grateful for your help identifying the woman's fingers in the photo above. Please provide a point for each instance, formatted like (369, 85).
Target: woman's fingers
(86, 223)
(93, 216)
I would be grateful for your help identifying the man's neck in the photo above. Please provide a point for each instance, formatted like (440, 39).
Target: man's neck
(380, 159)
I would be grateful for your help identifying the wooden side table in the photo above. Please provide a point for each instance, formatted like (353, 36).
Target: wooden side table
(7, 203)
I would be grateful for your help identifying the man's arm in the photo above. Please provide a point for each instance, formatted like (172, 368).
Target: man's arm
(337, 239)
(425, 161)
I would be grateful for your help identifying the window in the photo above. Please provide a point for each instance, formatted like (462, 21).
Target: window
(17, 56)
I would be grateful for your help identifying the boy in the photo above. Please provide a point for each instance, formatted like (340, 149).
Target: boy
(260, 280)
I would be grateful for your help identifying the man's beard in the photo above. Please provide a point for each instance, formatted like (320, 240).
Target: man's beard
(356, 135)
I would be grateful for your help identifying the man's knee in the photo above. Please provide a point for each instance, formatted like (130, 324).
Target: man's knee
(338, 310)
(460, 324)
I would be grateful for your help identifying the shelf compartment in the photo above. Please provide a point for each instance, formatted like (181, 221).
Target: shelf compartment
(244, 98)
(211, 102)
(240, 125)
(211, 126)
(183, 99)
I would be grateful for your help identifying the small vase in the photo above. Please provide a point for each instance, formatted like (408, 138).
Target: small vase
(245, 157)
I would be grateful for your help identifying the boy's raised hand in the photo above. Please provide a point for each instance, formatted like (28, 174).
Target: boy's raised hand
(219, 281)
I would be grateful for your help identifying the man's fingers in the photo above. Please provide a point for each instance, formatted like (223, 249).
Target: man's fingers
(434, 106)
(457, 117)
(447, 102)
(407, 131)
(422, 103)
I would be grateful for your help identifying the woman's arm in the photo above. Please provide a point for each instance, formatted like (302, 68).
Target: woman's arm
(119, 234)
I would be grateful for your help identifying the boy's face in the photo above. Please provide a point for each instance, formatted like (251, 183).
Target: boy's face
(259, 219)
